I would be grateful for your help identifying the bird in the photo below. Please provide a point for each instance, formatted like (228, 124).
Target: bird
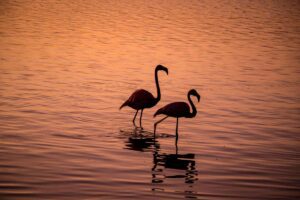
(142, 99)
(178, 110)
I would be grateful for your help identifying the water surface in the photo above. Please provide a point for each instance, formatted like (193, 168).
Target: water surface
(66, 67)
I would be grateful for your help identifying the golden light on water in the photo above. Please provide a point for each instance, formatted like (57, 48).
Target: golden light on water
(66, 67)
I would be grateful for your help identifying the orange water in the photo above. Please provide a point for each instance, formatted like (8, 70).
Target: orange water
(66, 67)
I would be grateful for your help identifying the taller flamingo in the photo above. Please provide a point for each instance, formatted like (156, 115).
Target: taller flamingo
(142, 99)
(178, 109)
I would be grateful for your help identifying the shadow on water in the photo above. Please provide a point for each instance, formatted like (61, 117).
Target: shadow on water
(167, 167)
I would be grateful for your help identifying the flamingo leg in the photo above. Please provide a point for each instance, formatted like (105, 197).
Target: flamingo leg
(141, 118)
(176, 132)
(135, 117)
(155, 124)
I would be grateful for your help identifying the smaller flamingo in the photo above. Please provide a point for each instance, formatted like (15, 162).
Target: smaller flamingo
(177, 110)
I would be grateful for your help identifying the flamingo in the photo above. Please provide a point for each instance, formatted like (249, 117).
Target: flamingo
(177, 110)
(142, 99)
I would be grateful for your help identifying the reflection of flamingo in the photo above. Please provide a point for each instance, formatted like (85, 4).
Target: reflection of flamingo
(141, 141)
(166, 166)
(178, 109)
(142, 99)
(164, 161)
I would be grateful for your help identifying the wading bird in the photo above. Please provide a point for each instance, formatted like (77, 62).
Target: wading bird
(142, 99)
(177, 110)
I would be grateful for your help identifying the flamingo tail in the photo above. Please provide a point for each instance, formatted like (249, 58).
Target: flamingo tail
(124, 104)
(158, 112)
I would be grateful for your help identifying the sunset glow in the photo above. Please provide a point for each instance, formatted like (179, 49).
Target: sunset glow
(67, 66)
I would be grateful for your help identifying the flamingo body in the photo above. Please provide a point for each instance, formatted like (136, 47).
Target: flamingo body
(176, 109)
(140, 99)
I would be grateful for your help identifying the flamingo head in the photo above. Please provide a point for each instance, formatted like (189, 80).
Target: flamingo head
(163, 68)
(195, 93)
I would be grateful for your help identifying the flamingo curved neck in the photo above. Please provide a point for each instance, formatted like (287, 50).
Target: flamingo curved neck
(157, 87)
(194, 110)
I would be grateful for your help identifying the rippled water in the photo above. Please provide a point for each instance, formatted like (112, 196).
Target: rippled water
(67, 66)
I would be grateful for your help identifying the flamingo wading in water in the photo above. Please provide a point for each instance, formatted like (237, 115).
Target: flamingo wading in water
(177, 110)
(142, 99)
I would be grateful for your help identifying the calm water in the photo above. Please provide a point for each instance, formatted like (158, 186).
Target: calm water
(67, 67)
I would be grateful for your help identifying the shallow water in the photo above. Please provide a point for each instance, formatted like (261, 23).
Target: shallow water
(67, 67)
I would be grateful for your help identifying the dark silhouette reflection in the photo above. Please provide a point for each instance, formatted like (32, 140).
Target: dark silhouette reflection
(185, 162)
(166, 167)
(183, 165)
(140, 140)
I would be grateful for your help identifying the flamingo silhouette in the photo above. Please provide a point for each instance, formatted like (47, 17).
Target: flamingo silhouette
(141, 99)
(178, 109)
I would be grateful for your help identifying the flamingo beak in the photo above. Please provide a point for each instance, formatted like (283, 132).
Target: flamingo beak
(198, 97)
(167, 71)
